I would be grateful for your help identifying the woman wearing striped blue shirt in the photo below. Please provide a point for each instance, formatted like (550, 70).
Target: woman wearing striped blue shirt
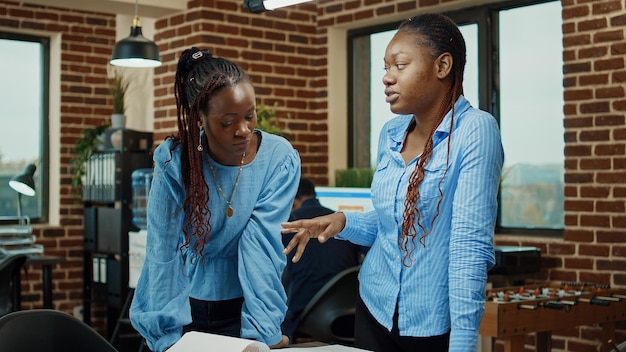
(422, 284)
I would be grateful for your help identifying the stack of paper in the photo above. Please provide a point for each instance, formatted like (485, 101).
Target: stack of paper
(203, 342)
(329, 348)
(18, 238)
(194, 341)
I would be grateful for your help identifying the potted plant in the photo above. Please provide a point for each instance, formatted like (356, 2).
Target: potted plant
(118, 87)
(354, 177)
(266, 119)
(84, 149)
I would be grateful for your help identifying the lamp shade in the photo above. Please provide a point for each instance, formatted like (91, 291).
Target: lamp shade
(274, 4)
(258, 6)
(136, 50)
(24, 183)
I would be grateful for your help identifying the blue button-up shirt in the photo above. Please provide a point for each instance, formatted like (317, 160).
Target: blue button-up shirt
(444, 288)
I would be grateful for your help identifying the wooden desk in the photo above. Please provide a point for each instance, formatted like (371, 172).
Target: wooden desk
(46, 262)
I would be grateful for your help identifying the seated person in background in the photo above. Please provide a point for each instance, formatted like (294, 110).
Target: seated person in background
(318, 264)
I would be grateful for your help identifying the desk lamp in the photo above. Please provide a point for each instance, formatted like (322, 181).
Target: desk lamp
(23, 184)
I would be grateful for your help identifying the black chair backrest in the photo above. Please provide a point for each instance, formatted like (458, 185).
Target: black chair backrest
(10, 266)
(329, 316)
(47, 330)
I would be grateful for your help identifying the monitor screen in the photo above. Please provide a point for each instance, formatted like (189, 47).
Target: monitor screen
(345, 198)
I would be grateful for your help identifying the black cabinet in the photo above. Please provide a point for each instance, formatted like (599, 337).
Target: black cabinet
(107, 200)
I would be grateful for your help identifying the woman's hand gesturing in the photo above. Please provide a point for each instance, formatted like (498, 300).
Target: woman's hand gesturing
(321, 227)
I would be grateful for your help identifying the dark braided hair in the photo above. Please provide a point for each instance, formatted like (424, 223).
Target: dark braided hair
(199, 75)
(441, 35)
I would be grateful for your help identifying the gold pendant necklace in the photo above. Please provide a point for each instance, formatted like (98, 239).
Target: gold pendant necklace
(229, 209)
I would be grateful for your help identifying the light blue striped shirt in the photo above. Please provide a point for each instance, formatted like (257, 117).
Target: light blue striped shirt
(243, 257)
(444, 288)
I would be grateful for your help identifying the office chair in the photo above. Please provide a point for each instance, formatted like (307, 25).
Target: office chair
(47, 330)
(329, 316)
(10, 290)
(619, 348)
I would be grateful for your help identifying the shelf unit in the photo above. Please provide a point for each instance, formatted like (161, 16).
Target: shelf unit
(107, 201)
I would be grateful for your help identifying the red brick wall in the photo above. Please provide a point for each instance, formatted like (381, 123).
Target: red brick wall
(280, 51)
(86, 43)
(286, 53)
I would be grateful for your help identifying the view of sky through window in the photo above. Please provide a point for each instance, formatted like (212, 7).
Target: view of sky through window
(20, 99)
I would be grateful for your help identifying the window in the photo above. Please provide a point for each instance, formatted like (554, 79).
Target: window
(531, 117)
(24, 67)
(514, 74)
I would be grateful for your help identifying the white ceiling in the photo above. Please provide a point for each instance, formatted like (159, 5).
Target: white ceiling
(147, 8)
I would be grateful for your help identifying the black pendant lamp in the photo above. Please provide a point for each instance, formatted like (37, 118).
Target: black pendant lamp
(135, 50)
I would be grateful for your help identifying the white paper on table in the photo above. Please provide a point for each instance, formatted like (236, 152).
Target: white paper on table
(195, 341)
(329, 348)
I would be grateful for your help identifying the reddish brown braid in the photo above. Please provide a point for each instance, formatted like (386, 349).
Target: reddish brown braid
(441, 35)
(199, 76)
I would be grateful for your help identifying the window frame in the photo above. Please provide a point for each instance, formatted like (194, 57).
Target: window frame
(485, 16)
(42, 172)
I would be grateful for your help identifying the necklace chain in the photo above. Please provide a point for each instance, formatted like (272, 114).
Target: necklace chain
(229, 209)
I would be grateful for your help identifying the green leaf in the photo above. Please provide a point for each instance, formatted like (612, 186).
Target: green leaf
(84, 149)
(266, 119)
(118, 88)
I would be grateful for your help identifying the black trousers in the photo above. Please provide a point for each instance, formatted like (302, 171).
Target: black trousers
(216, 317)
(370, 335)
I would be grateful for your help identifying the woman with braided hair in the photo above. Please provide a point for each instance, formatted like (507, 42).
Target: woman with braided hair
(422, 283)
(220, 190)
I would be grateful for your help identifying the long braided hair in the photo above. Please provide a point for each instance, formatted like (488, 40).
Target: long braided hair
(199, 75)
(440, 34)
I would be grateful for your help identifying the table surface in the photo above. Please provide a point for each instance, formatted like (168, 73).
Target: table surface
(40, 259)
